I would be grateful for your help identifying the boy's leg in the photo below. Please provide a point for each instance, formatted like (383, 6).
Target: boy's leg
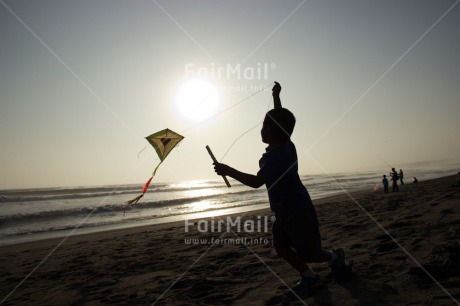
(282, 244)
(324, 256)
(338, 262)
(303, 234)
(291, 257)
(308, 278)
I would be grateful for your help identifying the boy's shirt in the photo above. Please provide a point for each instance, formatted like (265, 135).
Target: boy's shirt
(286, 193)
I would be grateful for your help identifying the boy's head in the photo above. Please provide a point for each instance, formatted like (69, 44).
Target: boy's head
(278, 125)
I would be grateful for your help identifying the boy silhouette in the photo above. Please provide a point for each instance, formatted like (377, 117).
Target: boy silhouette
(385, 184)
(296, 235)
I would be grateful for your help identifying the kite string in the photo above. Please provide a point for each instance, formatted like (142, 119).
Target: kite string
(385, 162)
(141, 151)
(238, 138)
(227, 109)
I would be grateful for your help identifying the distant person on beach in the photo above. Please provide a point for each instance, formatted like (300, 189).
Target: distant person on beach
(385, 184)
(394, 179)
(415, 180)
(296, 235)
(401, 176)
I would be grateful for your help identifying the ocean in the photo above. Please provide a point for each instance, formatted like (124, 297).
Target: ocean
(32, 214)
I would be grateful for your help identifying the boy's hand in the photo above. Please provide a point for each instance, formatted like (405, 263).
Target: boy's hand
(222, 169)
(276, 89)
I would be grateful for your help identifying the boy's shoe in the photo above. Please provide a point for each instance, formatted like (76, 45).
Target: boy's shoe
(307, 283)
(339, 264)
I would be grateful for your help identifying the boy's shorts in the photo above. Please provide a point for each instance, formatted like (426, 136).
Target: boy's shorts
(299, 231)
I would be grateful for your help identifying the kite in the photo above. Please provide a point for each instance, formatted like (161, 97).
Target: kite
(163, 142)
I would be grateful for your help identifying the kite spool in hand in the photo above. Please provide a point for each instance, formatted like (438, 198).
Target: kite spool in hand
(215, 160)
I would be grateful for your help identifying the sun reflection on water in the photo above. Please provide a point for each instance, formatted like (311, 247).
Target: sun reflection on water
(192, 184)
(196, 189)
(201, 205)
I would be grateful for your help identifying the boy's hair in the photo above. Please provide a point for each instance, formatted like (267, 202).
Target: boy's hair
(282, 123)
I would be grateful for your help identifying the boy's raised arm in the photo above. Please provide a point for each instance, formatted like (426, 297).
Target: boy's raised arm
(276, 95)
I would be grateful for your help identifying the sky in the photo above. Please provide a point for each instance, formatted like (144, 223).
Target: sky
(82, 83)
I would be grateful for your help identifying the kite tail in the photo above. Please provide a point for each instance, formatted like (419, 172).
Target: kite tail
(134, 201)
(130, 203)
(156, 168)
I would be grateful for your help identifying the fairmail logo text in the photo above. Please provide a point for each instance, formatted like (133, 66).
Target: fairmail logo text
(259, 225)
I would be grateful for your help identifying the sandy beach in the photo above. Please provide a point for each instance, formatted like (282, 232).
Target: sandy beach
(404, 247)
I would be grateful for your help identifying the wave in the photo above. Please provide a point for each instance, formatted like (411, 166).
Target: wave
(130, 219)
(66, 212)
(51, 197)
(30, 195)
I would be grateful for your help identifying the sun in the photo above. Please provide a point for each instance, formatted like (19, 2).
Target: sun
(197, 99)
